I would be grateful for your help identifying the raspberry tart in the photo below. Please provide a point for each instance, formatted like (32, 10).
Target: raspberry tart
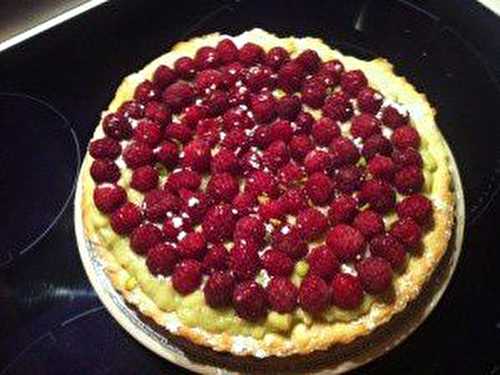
(267, 196)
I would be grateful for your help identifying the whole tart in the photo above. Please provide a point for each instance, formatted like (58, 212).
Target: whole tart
(267, 196)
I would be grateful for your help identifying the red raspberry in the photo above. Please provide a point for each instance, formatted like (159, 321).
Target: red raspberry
(338, 107)
(276, 155)
(323, 262)
(104, 171)
(353, 81)
(291, 243)
(262, 137)
(294, 200)
(158, 112)
(237, 118)
(276, 57)
(392, 118)
(369, 223)
(216, 102)
(303, 122)
(378, 194)
(343, 209)
(194, 114)
(290, 76)
(409, 180)
(244, 203)
(180, 132)
(145, 237)
(114, 126)
(183, 179)
(376, 144)
(314, 295)
(261, 182)
(219, 223)
(282, 295)
(231, 74)
(259, 77)
(222, 187)
(319, 188)
(310, 60)
(158, 202)
(145, 92)
(281, 130)
(406, 136)
(291, 174)
(164, 76)
(288, 107)
(187, 276)
(144, 178)
(131, 109)
(407, 157)
(196, 204)
(381, 167)
(274, 209)
(178, 95)
(277, 263)
(206, 58)
(167, 154)
(217, 259)
(325, 130)
(407, 231)
(105, 148)
(317, 161)
(197, 155)
(249, 162)
(173, 226)
(185, 68)
(219, 289)
(192, 246)
(208, 131)
(313, 93)
(344, 151)
(263, 107)
(249, 228)
(244, 261)
(312, 223)
(251, 54)
(108, 198)
(330, 72)
(227, 51)
(300, 146)
(418, 207)
(208, 80)
(137, 154)
(161, 259)
(365, 125)
(348, 179)
(249, 301)
(224, 162)
(345, 241)
(125, 219)
(347, 292)
(375, 274)
(389, 248)
(369, 100)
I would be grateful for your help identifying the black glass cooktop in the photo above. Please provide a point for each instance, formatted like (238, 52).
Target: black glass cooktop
(53, 88)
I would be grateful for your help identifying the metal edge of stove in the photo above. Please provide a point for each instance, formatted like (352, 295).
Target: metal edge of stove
(50, 23)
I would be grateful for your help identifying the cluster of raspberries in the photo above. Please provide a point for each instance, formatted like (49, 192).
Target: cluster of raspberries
(268, 164)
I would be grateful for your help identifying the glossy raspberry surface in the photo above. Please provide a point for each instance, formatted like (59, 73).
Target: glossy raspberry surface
(239, 178)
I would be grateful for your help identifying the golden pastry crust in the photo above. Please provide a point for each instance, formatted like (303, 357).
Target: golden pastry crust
(303, 339)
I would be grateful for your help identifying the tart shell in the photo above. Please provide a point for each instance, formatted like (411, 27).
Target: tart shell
(319, 335)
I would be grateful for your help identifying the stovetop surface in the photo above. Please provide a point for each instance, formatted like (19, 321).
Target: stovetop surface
(53, 88)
